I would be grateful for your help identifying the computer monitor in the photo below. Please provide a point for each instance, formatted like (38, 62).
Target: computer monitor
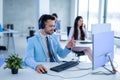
(103, 49)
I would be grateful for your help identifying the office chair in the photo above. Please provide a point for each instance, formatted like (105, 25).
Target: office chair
(11, 27)
(3, 48)
(78, 53)
(31, 33)
(68, 30)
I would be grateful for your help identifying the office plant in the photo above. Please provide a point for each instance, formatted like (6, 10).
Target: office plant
(13, 62)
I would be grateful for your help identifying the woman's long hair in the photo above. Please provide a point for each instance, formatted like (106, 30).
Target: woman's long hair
(75, 35)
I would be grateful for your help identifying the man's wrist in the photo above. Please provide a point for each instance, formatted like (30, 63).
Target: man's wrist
(68, 48)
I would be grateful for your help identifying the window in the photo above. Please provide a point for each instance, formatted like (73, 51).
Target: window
(113, 15)
(89, 10)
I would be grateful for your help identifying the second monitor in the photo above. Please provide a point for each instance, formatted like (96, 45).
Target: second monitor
(103, 49)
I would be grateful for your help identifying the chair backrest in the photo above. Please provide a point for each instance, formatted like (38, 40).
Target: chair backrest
(3, 48)
(68, 30)
(31, 33)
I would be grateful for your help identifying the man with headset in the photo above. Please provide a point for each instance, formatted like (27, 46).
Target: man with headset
(38, 49)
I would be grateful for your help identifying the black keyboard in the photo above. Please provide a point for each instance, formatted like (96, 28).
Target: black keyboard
(64, 66)
(85, 42)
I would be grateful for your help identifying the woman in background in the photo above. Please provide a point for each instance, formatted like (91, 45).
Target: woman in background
(79, 32)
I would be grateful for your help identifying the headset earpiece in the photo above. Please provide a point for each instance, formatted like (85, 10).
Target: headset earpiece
(41, 26)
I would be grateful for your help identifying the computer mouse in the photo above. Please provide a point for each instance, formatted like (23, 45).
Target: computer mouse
(45, 72)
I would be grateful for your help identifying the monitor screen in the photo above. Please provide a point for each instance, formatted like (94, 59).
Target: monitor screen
(103, 44)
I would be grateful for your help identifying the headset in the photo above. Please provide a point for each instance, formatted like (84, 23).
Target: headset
(41, 25)
(43, 20)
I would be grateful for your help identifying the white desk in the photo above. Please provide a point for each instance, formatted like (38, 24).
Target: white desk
(81, 43)
(62, 36)
(8, 40)
(29, 74)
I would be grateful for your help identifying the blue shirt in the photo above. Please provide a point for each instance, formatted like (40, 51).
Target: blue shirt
(57, 25)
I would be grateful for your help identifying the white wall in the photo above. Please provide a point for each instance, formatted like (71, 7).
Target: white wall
(62, 8)
(44, 7)
(20, 13)
(1, 12)
(73, 14)
(66, 10)
(25, 13)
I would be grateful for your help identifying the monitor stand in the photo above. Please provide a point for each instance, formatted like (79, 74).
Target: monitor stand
(113, 71)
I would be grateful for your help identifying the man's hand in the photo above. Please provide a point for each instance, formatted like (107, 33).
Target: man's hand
(70, 44)
(41, 69)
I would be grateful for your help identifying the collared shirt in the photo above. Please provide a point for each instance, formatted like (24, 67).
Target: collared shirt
(45, 43)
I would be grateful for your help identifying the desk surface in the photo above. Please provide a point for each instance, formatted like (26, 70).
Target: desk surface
(9, 31)
(85, 43)
(70, 74)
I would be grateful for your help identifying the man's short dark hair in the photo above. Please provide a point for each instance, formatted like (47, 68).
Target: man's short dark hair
(54, 14)
(40, 19)
(44, 19)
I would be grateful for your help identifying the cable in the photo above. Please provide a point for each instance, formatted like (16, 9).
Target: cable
(84, 68)
(69, 77)
(78, 69)
(55, 75)
(103, 73)
(100, 73)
